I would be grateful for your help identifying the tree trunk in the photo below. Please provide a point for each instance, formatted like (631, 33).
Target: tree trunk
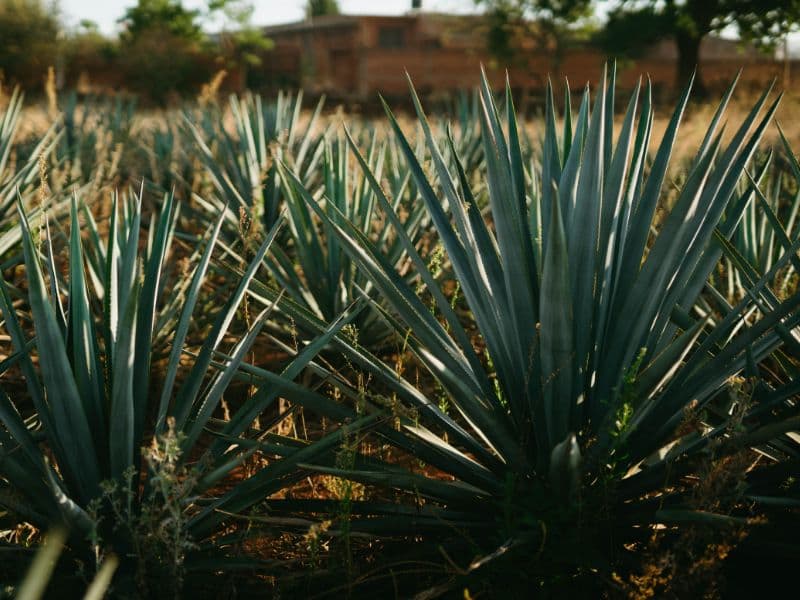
(688, 63)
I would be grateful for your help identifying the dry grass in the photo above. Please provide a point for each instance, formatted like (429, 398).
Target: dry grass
(37, 119)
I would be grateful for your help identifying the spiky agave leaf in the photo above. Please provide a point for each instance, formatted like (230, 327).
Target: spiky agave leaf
(41, 572)
(321, 274)
(93, 399)
(594, 342)
(243, 166)
(20, 182)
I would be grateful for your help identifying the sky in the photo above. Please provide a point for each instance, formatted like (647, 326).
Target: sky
(267, 12)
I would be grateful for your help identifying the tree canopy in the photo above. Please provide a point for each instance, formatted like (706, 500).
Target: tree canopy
(241, 43)
(557, 11)
(509, 18)
(634, 24)
(169, 16)
(319, 8)
(28, 34)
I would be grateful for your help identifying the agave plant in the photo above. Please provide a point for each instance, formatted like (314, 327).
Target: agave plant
(20, 176)
(322, 276)
(310, 265)
(94, 131)
(467, 139)
(466, 134)
(170, 169)
(76, 451)
(605, 391)
(242, 167)
(770, 218)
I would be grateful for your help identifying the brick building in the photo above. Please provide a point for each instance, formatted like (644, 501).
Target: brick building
(354, 57)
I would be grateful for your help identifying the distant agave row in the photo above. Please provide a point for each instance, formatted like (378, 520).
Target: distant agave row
(593, 370)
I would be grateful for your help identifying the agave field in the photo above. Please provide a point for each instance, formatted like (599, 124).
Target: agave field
(250, 348)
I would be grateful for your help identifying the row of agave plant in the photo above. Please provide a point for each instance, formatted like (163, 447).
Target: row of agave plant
(506, 353)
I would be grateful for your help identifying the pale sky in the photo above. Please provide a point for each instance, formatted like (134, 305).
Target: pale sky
(267, 12)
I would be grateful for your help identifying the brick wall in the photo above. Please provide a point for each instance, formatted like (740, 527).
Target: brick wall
(348, 60)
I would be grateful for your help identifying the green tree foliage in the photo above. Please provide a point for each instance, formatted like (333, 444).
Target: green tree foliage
(628, 34)
(500, 34)
(28, 38)
(166, 16)
(635, 22)
(319, 8)
(163, 49)
(160, 66)
(555, 11)
(87, 54)
(508, 19)
(241, 44)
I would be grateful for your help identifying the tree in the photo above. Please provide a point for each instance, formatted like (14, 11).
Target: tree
(164, 49)
(319, 8)
(554, 19)
(168, 51)
(28, 40)
(241, 44)
(87, 53)
(762, 23)
(166, 16)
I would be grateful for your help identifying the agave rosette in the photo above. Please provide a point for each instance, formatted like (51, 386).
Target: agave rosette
(71, 445)
(607, 387)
